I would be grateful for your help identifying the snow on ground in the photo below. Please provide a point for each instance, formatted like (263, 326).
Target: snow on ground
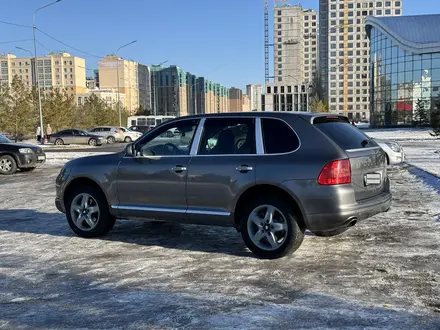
(382, 274)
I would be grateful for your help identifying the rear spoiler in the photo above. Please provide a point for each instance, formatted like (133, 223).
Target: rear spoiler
(325, 118)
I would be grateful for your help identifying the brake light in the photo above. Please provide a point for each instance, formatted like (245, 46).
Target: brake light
(335, 172)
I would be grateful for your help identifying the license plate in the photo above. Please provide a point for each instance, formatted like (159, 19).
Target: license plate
(41, 158)
(373, 179)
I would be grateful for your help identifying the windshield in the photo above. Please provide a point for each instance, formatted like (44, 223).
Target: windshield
(4, 139)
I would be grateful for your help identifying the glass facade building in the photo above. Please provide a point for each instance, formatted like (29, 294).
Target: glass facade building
(404, 69)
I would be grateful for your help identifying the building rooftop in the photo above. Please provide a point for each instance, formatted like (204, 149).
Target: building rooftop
(418, 34)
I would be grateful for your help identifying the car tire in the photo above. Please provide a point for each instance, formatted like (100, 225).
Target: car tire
(27, 169)
(285, 241)
(93, 142)
(99, 223)
(331, 233)
(59, 142)
(111, 140)
(8, 165)
(127, 139)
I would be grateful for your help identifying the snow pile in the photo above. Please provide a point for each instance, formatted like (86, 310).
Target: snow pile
(400, 134)
(60, 158)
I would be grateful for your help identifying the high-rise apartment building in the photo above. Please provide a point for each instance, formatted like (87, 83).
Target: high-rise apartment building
(60, 71)
(254, 92)
(295, 44)
(113, 67)
(344, 52)
(235, 99)
(144, 83)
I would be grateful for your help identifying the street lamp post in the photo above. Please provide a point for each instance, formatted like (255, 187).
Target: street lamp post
(117, 78)
(34, 28)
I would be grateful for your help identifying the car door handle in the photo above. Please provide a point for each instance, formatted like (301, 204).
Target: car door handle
(244, 168)
(178, 169)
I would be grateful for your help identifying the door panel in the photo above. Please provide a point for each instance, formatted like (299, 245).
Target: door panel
(223, 168)
(152, 183)
(151, 187)
(213, 185)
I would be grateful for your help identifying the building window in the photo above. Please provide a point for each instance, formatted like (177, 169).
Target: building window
(398, 11)
(397, 4)
(388, 12)
(387, 3)
(279, 33)
(279, 13)
(379, 4)
(279, 26)
(279, 20)
(378, 12)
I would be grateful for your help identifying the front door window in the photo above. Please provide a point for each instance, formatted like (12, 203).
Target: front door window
(171, 140)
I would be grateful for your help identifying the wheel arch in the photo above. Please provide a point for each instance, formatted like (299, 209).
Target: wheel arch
(82, 181)
(13, 155)
(269, 190)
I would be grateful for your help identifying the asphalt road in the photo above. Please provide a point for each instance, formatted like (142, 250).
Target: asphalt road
(382, 274)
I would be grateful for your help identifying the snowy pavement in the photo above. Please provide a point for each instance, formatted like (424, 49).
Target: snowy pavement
(382, 274)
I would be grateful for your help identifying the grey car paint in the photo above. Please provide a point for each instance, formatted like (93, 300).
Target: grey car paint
(208, 190)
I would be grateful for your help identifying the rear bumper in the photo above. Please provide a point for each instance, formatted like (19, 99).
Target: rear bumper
(359, 212)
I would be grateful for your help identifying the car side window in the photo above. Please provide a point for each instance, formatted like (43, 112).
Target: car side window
(228, 136)
(66, 132)
(278, 137)
(173, 139)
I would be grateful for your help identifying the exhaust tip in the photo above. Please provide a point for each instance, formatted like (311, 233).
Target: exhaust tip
(352, 222)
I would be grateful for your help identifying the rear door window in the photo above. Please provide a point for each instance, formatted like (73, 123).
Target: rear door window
(343, 133)
(228, 136)
(278, 137)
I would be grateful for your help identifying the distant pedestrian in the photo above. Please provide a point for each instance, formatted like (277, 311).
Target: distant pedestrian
(48, 131)
(38, 133)
(353, 123)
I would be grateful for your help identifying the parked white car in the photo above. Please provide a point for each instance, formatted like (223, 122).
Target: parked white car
(129, 135)
(393, 150)
(111, 133)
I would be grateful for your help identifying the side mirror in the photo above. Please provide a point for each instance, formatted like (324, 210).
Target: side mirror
(129, 149)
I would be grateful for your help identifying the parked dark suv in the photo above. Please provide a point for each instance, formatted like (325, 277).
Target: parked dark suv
(271, 175)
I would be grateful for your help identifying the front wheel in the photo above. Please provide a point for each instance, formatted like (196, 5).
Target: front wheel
(111, 139)
(8, 165)
(270, 227)
(59, 142)
(88, 213)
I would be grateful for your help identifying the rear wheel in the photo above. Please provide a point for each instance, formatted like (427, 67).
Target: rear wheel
(127, 139)
(8, 165)
(92, 142)
(88, 213)
(270, 228)
(111, 139)
(59, 142)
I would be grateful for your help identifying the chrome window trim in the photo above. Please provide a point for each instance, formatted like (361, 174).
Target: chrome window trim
(259, 137)
(169, 210)
(197, 137)
(228, 117)
(363, 149)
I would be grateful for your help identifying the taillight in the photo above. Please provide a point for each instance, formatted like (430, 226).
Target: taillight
(335, 172)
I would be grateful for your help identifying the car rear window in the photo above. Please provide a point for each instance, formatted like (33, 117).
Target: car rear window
(343, 133)
(278, 137)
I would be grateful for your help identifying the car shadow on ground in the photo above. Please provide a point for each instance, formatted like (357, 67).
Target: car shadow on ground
(146, 233)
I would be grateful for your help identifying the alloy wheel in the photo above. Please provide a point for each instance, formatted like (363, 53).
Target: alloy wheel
(5, 165)
(84, 211)
(267, 227)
